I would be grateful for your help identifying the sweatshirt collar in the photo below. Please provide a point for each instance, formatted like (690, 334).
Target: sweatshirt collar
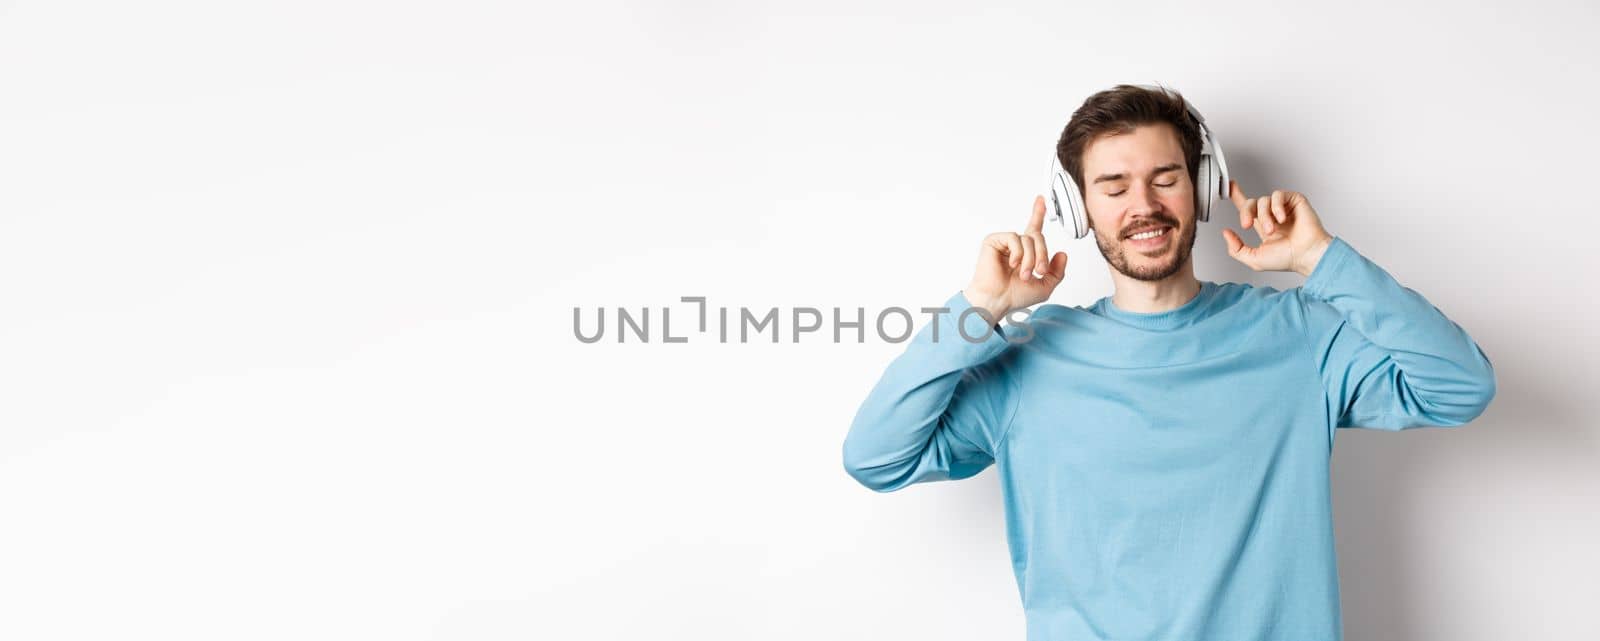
(1174, 318)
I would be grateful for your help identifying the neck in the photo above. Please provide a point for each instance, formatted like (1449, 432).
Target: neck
(1148, 297)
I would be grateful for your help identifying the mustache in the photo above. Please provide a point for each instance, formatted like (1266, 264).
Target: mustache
(1147, 222)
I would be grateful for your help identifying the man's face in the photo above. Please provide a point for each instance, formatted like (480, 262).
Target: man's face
(1134, 182)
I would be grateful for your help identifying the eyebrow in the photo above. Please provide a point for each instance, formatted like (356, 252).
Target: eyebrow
(1159, 170)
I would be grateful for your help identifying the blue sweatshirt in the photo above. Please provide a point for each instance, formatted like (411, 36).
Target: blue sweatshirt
(1166, 475)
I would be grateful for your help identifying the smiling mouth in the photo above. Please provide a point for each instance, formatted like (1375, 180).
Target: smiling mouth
(1150, 239)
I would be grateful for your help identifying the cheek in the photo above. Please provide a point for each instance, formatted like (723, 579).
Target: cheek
(1099, 221)
(1181, 203)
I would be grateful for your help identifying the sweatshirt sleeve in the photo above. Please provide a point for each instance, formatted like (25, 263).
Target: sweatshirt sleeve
(939, 410)
(1388, 358)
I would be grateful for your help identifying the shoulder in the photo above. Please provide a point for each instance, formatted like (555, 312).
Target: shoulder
(1252, 293)
(1046, 325)
(1312, 314)
(1231, 294)
(1292, 305)
(1055, 311)
(1056, 317)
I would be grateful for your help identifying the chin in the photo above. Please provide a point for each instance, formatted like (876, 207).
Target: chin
(1149, 260)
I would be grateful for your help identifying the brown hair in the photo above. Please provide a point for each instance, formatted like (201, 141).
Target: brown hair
(1117, 111)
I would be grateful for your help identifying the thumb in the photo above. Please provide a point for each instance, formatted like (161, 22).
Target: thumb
(1247, 214)
(1237, 249)
(1058, 266)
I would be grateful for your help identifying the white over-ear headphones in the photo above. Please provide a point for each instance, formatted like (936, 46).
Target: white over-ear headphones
(1065, 201)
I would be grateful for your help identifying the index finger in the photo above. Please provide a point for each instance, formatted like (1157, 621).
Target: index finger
(1246, 212)
(1036, 222)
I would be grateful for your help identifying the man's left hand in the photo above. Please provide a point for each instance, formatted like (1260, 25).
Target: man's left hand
(1292, 236)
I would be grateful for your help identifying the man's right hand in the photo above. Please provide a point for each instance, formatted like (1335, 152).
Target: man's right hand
(1015, 270)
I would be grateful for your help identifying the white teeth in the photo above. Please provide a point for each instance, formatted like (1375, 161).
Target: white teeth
(1149, 234)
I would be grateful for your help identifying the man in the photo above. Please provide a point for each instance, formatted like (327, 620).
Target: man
(1164, 453)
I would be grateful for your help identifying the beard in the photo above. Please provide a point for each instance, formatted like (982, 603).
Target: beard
(1143, 266)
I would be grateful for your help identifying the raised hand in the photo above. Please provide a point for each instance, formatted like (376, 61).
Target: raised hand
(1015, 270)
(1292, 236)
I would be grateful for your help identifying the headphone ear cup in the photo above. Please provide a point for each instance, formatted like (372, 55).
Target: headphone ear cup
(1059, 204)
(1066, 203)
(1080, 213)
(1205, 189)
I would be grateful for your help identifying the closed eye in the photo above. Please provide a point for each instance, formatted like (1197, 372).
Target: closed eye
(1119, 193)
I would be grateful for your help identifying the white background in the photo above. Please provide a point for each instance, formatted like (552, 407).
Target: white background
(287, 290)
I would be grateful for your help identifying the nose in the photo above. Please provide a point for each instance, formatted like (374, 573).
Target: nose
(1144, 200)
